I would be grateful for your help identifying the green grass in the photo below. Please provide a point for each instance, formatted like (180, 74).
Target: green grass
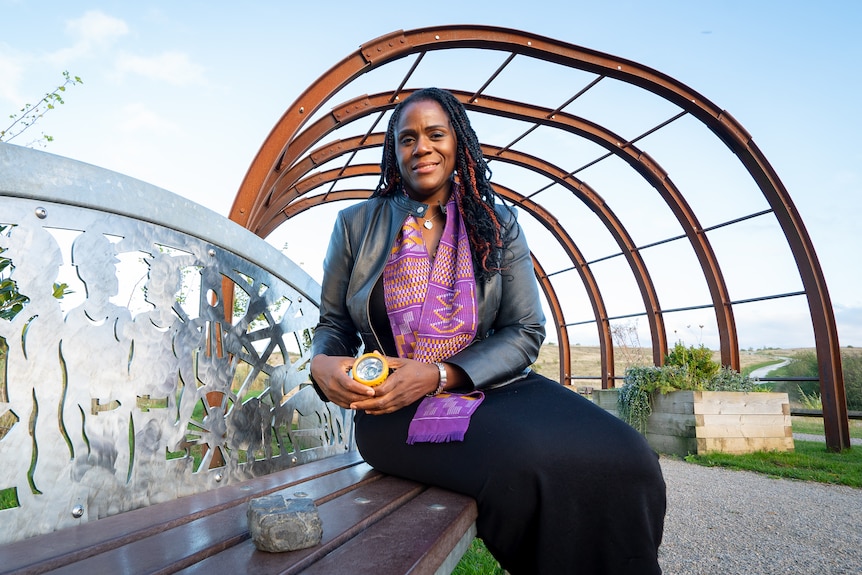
(814, 426)
(478, 561)
(8, 498)
(810, 461)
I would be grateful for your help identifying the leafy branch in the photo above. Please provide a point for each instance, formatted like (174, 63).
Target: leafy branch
(28, 115)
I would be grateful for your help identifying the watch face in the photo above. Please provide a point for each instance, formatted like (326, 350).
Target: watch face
(369, 369)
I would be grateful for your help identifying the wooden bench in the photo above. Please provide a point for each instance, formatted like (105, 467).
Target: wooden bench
(92, 468)
(372, 523)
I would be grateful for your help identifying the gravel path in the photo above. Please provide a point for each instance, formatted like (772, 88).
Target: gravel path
(726, 522)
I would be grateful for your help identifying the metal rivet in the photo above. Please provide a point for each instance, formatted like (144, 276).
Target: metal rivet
(293, 459)
(529, 43)
(41, 213)
(300, 494)
(211, 252)
(362, 500)
(436, 37)
(78, 511)
(302, 110)
(436, 507)
(218, 477)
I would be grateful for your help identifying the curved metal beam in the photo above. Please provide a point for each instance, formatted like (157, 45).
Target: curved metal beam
(563, 331)
(638, 160)
(578, 188)
(606, 347)
(266, 165)
(288, 186)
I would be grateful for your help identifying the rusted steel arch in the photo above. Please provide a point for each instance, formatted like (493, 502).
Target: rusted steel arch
(270, 158)
(314, 181)
(832, 390)
(606, 344)
(278, 212)
(560, 326)
(628, 248)
(393, 46)
(295, 183)
(279, 197)
(652, 172)
(551, 224)
(287, 186)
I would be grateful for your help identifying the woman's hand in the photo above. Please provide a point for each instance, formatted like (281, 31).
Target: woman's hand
(409, 382)
(331, 375)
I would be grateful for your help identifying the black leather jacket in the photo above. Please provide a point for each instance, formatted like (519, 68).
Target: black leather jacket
(511, 322)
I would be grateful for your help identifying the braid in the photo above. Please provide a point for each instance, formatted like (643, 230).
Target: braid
(477, 196)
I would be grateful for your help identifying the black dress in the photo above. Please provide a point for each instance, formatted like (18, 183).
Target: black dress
(562, 486)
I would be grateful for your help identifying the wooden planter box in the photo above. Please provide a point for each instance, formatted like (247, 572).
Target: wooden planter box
(685, 422)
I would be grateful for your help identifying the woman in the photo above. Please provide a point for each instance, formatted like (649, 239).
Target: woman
(437, 276)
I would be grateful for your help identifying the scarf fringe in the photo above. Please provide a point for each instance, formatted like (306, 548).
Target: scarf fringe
(435, 437)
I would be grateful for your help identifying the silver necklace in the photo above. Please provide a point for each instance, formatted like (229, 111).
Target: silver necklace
(429, 223)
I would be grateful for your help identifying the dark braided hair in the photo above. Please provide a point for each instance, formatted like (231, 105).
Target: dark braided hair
(477, 197)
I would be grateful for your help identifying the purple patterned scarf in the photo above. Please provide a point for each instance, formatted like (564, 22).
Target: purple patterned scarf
(433, 312)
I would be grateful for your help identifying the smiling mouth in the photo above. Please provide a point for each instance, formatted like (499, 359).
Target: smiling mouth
(421, 168)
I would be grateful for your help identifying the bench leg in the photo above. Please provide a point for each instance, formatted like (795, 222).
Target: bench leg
(457, 552)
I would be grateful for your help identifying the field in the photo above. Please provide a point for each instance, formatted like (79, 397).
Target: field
(586, 360)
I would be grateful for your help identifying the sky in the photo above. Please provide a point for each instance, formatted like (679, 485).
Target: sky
(182, 94)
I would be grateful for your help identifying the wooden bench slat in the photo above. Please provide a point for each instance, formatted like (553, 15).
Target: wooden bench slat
(184, 545)
(373, 523)
(165, 552)
(53, 550)
(343, 518)
(352, 499)
(415, 539)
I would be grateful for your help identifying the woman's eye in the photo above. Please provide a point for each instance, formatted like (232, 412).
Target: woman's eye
(406, 141)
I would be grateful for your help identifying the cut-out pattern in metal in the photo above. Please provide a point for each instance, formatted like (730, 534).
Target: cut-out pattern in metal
(138, 386)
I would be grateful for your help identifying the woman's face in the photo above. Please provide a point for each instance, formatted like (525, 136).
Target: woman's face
(425, 146)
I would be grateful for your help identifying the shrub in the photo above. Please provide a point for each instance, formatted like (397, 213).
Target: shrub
(634, 402)
(697, 360)
(728, 379)
(689, 368)
(852, 367)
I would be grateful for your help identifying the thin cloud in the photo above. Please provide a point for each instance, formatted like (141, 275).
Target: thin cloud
(90, 33)
(172, 67)
(10, 71)
(139, 119)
